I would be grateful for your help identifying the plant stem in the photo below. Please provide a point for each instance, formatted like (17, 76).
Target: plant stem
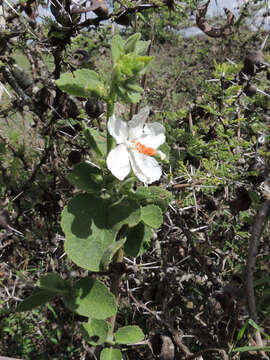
(110, 111)
(116, 278)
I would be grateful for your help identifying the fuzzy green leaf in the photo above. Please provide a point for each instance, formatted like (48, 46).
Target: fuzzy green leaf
(91, 298)
(91, 224)
(129, 335)
(82, 83)
(110, 354)
(96, 331)
(154, 195)
(138, 240)
(130, 44)
(109, 253)
(53, 282)
(38, 298)
(96, 141)
(117, 47)
(86, 177)
(152, 216)
(85, 224)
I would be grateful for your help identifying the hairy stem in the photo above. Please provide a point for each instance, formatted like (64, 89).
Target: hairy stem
(116, 278)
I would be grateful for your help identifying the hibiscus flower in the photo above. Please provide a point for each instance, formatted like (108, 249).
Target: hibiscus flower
(137, 144)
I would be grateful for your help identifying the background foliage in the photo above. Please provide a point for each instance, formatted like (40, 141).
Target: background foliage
(217, 129)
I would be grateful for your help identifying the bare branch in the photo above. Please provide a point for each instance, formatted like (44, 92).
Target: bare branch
(209, 30)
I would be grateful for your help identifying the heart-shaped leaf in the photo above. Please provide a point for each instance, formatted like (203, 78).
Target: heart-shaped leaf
(95, 331)
(129, 335)
(91, 224)
(152, 216)
(86, 177)
(110, 354)
(38, 298)
(90, 297)
(82, 83)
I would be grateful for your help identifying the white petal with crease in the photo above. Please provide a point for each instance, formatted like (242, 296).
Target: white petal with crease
(136, 124)
(118, 162)
(146, 168)
(118, 129)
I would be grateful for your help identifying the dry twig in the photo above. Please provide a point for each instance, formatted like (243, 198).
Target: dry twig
(212, 31)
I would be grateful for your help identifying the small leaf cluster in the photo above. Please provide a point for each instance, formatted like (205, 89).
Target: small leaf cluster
(129, 63)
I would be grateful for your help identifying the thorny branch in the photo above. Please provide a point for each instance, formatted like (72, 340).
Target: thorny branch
(212, 31)
(256, 233)
(252, 254)
(177, 336)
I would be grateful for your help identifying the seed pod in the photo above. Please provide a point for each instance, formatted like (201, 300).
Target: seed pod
(44, 98)
(74, 157)
(94, 108)
(250, 90)
(67, 107)
(123, 20)
(4, 219)
(242, 201)
(102, 11)
(254, 62)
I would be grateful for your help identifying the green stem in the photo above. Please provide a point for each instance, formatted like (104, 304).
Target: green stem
(116, 278)
(110, 111)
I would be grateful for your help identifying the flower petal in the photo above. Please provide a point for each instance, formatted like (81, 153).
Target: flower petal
(136, 124)
(118, 129)
(118, 162)
(153, 135)
(146, 168)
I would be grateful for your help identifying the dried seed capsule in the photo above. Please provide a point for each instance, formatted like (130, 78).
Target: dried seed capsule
(250, 90)
(94, 108)
(74, 157)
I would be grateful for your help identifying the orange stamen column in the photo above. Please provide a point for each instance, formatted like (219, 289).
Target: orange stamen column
(145, 150)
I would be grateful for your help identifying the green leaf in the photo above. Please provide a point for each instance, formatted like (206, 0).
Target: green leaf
(91, 224)
(141, 47)
(128, 96)
(125, 211)
(132, 87)
(126, 186)
(130, 44)
(109, 253)
(129, 335)
(117, 47)
(86, 177)
(95, 332)
(258, 328)
(166, 149)
(138, 240)
(154, 195)
(251, 348)
(152, 216)
(96, 141)
(241, 332)
(110, 354)
(53, 282)
(91, 298)
(85, 224)
(38, 298)
(82, 83)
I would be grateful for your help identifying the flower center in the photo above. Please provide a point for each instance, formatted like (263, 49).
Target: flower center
(144, 149)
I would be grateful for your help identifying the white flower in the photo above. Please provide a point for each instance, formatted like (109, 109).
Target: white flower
(137, 144)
